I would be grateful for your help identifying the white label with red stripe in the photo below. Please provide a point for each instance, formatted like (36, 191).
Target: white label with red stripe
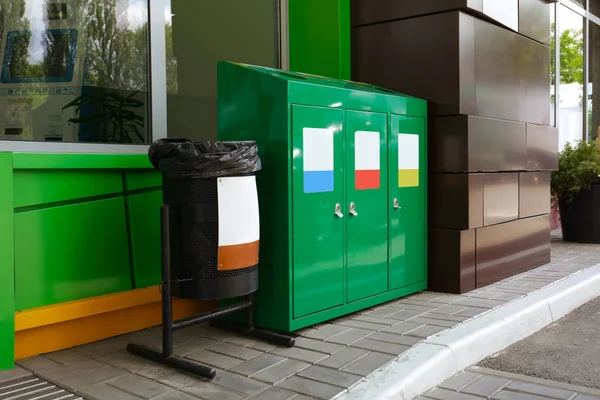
(367, 160)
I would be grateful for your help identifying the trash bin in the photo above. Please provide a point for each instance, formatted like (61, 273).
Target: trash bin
(210, 188)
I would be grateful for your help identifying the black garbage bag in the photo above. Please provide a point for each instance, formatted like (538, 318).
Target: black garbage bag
(182, 158)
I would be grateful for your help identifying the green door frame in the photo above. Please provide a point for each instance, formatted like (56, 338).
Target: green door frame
(319, 37)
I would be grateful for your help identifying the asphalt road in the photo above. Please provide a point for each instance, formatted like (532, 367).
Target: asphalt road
(567, 351)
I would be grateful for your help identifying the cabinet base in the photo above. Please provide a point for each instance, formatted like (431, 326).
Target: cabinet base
(278, 322)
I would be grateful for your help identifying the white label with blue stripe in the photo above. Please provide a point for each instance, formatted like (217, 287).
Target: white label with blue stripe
(317, 144)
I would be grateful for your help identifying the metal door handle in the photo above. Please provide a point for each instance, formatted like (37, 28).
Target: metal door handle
(397, 205)
(353, 209)
(338, 211)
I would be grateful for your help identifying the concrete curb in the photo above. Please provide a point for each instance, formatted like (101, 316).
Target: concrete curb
(440, 357)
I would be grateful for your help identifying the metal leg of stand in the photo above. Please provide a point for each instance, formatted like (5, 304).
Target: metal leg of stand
(167, 299)
(249, 330)
(166, 357)
(176, 362)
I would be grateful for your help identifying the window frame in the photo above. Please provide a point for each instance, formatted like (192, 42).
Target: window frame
(582, 11)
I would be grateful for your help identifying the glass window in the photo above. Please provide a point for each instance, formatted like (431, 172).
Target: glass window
(74, 71)
(571, 76)
(201, 33)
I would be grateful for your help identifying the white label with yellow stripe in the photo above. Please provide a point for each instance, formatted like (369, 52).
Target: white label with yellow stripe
(408, 160)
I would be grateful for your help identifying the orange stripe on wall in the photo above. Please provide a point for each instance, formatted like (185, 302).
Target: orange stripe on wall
(76, 309)
(238, 256)
(72, 328)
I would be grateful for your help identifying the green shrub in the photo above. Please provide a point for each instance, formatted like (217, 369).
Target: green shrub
(578, 168)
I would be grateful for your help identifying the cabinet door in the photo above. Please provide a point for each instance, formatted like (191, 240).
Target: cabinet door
(407, 201)
(318, 186)
(366, 188)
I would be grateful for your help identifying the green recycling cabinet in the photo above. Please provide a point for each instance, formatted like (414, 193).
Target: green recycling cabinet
(342, 191)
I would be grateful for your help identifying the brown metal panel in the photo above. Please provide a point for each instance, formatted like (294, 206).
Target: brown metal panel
(500, 198)
(508, 249)
(437, 57)
(531, 18)
(542, 148)
(496, 145)
(534, 194)
(512, 75)
(451, 261)
(448, 192)
(418, 56)
(474, 144)
(534, 20)
(476, 188)
(365, 12)
(455, 201)
(466, 59)
(448, 144)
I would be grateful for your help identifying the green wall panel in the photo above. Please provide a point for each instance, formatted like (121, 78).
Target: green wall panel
(71, 252)
(39, 186)
(80, 161)
(7, 271)
(144, 231)
(320, 37)
(142, 179)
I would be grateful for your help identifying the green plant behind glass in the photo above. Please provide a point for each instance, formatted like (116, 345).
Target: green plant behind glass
(578, 168)
(114, 112)
(571, 56)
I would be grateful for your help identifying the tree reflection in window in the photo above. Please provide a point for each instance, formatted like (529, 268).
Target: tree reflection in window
(19, 65)
(116, 54)
(56, 54)
(112, 106)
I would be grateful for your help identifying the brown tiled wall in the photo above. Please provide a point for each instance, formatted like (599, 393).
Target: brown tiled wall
(491, 149)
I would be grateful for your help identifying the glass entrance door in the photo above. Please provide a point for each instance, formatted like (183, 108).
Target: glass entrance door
(197, 35)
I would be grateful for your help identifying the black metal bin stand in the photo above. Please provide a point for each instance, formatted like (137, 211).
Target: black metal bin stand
(190, 219)
(167, 357)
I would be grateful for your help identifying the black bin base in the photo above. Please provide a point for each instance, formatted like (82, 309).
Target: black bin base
(215, 289)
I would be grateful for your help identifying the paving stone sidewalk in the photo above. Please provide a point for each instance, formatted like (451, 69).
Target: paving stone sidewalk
(328, 359)
(482, 383)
